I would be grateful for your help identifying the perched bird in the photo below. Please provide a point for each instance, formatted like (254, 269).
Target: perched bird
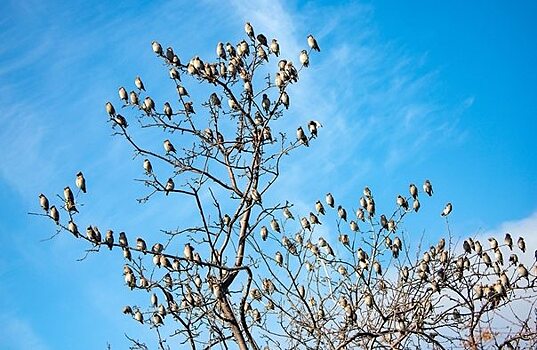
(275, 47)
(91, 234)
(264, 233)
(521, 244)
(287, 213)
(148, 105)
(110, 109)
(133, 96)
(413, 191)
(181, 90)
(416, 205)
(301, 136)
(360, 214)
(493, 243)
(139, 317)
(284, 98)
(170, 55)
(123, 240)
(330, 200)
(319, 207)
(220, 51)
(255, 195)
(69, 199)
(81, 181)
(367, 192)
(139, 84)
(402, 202)
(71, 226)
(265, 103)
(109, 239)
(262, 39)
(314, 219)
(157, 48)
(168, 112)
(428, 188)
(170, 185)
(304, 59)
(508, 241)
(43, 202)
(313, 125)
(187, 252)
(249, 30)
(275, 225)
(123, 95)
(279, 258)
(312, 43)
(522, 271)
(141, 245)
(383, 221)
(168, 147)
(447, 209)
(147, 166)
(305, 224)
(342, 213)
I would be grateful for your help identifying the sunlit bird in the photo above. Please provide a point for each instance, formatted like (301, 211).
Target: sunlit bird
(43, 202)
(447, 209)
(312, 43)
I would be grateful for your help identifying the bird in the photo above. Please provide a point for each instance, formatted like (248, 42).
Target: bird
(168, 147)
(416, 205)
(141, 245)
(279, 258)
(428, 188)
(330, 200)
(249, 30)
(170, 55)
(275, 47)
(81, 181)
(305, 224)
(157, 48)
(342, 213)
(367, 192)
(220, 51)
(123, 240)
(71, 226)
(123, 94)
(174, 74)
(265, 103)
(413, 191)
(264, 233)
(139, 84)
(319, 207)
(187, 252)
(493, 243)
(110, 109)
(69, 199)
(383, 221)
(275, 225)
(120, 120)
(522, 271)
(262, 39)
(168, 112)
(287, 214)
(521, 244)
(147, 166)
(354, 226)
(139, 317)
(360, 214)
(169, 186)
(508, 241)
(402, 202)
(148, 105)
(447, 209)
(181, 90)
(133, 96)
(43, 202)
(314, 219)
(313, 125)
(312, 43)
(284, 98)
(304, 59)
(109, 239)
(301, 136)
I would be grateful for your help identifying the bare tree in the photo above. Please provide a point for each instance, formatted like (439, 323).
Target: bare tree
(245, 273)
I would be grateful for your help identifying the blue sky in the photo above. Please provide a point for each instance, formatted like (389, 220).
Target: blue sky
(405, 91)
